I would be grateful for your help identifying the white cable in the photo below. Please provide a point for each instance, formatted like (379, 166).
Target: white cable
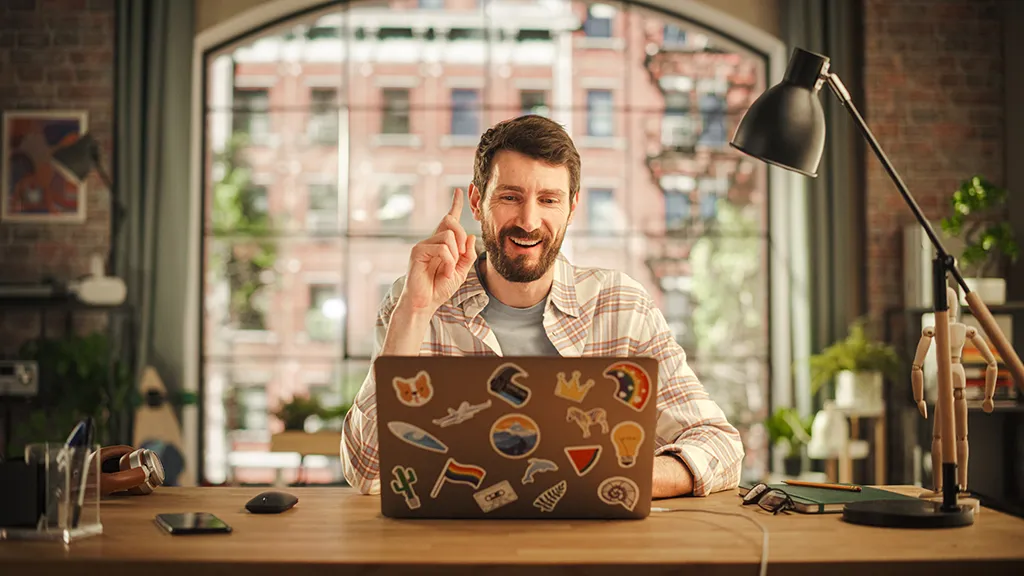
(764, 531)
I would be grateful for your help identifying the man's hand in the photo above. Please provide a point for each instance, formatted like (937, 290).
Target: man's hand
(439, 264)
(671, 478)
(437, 267)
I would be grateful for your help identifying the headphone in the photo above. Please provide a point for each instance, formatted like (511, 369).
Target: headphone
(123, 468)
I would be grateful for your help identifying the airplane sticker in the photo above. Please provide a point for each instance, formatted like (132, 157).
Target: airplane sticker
(464, 412)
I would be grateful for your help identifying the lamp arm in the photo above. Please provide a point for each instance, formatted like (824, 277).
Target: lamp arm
(839, 89)
(978, 308)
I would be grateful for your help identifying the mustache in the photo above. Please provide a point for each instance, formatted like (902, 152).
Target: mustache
(521, 234)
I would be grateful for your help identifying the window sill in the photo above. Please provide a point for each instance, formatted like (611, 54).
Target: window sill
(597, 43)
(253, 336)
(611, 142)
(459, 141)
(398, 140)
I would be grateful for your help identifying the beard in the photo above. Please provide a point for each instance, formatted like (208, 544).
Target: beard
(517, 268)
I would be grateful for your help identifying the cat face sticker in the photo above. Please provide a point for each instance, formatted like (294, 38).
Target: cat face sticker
(415, 391)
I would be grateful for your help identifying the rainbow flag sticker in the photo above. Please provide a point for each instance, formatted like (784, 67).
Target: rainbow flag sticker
(458, 473)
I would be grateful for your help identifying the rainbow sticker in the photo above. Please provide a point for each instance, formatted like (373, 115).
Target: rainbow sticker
(634, 384)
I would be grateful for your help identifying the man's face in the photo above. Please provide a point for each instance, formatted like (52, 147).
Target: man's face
(523, 215)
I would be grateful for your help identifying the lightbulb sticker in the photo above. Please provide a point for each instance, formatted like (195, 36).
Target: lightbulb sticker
(627, 437)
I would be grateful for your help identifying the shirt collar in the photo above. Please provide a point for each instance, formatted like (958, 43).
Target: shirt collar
(472, 296)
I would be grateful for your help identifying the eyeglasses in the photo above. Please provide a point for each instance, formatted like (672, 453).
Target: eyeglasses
(770, 499)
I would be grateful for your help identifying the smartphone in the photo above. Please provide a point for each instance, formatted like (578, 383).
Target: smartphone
(192, 523)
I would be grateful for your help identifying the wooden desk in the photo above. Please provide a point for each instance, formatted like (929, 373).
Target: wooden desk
(337, 531)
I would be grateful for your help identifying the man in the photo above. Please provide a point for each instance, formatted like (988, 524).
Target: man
(521, 297)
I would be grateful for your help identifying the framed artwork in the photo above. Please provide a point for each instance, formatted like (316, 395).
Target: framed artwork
(35, 189)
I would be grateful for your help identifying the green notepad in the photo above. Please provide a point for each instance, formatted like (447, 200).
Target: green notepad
(823, 500)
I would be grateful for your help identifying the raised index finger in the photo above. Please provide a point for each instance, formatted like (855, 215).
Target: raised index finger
(456, 210)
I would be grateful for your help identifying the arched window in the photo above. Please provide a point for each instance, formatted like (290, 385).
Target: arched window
(333, 140)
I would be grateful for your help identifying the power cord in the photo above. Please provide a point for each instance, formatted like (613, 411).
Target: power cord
(764, 531)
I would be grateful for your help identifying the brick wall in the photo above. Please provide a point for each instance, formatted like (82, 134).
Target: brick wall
(56, 54)
(933, 82)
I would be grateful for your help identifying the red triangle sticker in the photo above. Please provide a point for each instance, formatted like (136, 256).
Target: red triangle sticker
(583, 458)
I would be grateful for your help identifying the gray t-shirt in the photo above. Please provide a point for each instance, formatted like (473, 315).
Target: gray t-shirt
(520, 331)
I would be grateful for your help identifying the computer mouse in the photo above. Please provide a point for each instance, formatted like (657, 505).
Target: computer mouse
(272, 502)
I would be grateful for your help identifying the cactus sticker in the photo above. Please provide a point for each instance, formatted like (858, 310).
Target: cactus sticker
(405, 477)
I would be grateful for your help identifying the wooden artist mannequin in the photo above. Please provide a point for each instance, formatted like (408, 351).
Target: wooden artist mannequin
(958, 335)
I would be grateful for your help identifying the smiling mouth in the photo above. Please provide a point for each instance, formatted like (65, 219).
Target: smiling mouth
(524, 243)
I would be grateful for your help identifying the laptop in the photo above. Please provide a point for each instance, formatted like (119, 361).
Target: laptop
(516, 437)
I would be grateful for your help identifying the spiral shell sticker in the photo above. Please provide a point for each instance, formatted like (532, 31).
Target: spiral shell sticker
(619, 490)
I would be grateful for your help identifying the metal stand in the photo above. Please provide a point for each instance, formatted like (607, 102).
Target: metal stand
(926, 514)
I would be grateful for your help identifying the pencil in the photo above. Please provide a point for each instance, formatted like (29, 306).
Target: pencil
(820, 485)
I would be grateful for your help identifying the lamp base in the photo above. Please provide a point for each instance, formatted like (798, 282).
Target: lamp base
(907, 514)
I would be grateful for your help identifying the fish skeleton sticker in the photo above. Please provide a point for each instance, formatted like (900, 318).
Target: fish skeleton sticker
(547, 501)
(515, 436)
(496, 496)
(405, 477)
(572, 390)
(586, 419)
(417, 436)
(504, 384)
(583, 458)
(633, 384)
(464, 412)
(415, 391)
(619, 490)
(536, 466)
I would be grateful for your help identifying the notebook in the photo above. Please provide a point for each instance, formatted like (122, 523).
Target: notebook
(516, 437)
(809, 500)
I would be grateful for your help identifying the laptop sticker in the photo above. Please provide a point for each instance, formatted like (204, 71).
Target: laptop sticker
(634, 385)
(405, 477)
(464, 412)
(619, 490)
(415, 391)
(503, 384)
(583, 458)
(458, 473)
(547, 501)
(627, 437)
(496, 496)
(572, 390)
(586, 419)
(536, 466)
(515, 436)
(417, 436)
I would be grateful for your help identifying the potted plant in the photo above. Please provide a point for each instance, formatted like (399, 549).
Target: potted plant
(789, 433)
(858, 365)
(979, 219)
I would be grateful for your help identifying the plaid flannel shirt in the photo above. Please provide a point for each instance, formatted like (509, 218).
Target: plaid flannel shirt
(589, 312)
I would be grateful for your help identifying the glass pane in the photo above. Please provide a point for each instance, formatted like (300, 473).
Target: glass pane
(273, 297)
(243, 399)
(280, 183)
(376, 263)
(599, 113)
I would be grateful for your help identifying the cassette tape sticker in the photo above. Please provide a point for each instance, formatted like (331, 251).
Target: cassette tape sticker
(495, 496)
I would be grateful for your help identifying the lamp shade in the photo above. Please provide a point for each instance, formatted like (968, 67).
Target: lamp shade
(785, 126)
(78, 158)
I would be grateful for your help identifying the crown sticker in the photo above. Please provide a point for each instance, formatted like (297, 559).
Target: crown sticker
(572, 390)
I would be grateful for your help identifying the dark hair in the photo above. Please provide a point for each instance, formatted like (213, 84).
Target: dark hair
(530, 135)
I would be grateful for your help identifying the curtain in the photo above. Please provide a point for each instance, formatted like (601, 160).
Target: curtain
(151, 168)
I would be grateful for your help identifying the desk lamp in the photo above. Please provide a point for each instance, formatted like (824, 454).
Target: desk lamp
(78, 160)
(785, 127)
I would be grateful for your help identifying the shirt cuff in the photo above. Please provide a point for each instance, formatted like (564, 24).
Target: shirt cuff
(698, 461)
